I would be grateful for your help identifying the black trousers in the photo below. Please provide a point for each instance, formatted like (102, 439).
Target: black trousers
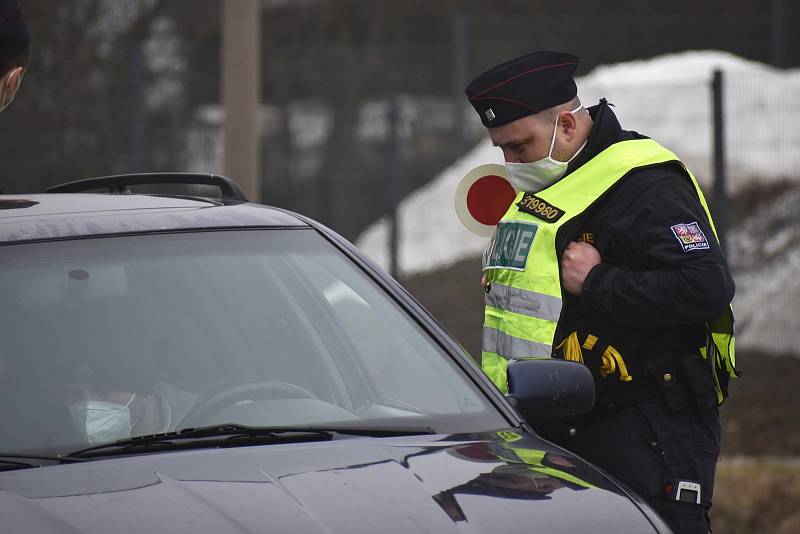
(647, 449)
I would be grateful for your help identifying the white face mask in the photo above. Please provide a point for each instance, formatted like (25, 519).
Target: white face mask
(543, 173)
(102, 421)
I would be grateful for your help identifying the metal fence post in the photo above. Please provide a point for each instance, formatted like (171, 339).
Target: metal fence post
(777, 45)
(395, 159)
(136, 156)
(241, 93)
(460, 68)
(720, 193)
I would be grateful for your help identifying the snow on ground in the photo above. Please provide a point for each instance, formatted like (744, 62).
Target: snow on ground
(765, 257)
(430, 233)
(666, 98)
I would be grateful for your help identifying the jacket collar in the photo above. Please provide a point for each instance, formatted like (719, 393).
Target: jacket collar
(605, 131)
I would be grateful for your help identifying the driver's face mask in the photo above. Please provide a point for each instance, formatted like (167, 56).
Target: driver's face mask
(103, 421)
(543, 173)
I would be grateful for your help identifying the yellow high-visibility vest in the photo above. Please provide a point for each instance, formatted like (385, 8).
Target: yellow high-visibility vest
(523, 305)
(533, 458)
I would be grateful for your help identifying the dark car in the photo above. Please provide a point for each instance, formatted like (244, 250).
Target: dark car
(177, 363)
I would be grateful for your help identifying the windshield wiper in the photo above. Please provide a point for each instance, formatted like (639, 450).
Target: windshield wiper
(10, 465)
(13, 460)
(236, 435)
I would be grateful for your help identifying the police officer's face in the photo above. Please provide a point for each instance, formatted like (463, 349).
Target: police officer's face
(528, 139)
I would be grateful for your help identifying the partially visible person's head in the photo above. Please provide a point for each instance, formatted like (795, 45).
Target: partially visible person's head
(531, 108)
(14, 50)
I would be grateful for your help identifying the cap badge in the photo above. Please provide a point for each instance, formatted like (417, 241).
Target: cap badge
(489, 115)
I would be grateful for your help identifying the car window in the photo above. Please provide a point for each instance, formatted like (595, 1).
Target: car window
(108, 338)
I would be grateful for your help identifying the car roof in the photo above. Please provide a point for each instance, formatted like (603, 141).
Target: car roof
(70, 215)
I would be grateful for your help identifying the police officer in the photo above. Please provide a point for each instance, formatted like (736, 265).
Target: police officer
(608, 256)
(14, 50)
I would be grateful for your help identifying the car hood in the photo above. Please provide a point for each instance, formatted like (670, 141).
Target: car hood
(498, 482)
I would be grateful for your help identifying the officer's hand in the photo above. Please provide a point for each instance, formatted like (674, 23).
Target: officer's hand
(577, 261)
(484, 281)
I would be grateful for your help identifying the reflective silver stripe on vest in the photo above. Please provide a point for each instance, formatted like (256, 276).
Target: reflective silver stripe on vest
(524, 302)
(508, 346)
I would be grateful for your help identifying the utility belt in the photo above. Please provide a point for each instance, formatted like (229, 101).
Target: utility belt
(624, 376)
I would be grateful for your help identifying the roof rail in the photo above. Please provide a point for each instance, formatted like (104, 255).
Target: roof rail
(119, 184)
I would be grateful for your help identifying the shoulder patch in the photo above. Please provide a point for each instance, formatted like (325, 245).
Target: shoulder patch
(539, 208)
(690, 236)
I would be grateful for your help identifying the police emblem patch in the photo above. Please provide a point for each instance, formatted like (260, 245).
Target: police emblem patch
(690, 236)
(510, 246)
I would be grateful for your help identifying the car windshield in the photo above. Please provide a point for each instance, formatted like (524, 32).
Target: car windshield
(108, 338)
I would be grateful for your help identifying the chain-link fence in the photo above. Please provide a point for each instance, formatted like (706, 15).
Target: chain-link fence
(363, 103)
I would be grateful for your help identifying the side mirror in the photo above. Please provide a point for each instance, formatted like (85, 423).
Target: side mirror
(548, 388)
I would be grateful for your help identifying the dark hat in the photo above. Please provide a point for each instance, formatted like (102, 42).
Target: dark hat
(523, 86)
(14, 35)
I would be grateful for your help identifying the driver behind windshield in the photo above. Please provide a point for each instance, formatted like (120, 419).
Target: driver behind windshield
(117, 391)
(105, 414)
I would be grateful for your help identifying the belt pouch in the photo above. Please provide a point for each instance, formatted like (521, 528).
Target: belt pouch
(698, 377)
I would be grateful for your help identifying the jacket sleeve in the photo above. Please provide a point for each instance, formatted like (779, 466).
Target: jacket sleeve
(681, 276)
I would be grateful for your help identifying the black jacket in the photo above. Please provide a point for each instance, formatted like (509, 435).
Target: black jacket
(650, 294)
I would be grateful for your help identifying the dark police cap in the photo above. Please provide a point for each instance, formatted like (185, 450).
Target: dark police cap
(13, 33)
(523, 86)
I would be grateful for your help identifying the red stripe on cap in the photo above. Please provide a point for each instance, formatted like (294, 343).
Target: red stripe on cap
(505, 100)
(523, 74)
